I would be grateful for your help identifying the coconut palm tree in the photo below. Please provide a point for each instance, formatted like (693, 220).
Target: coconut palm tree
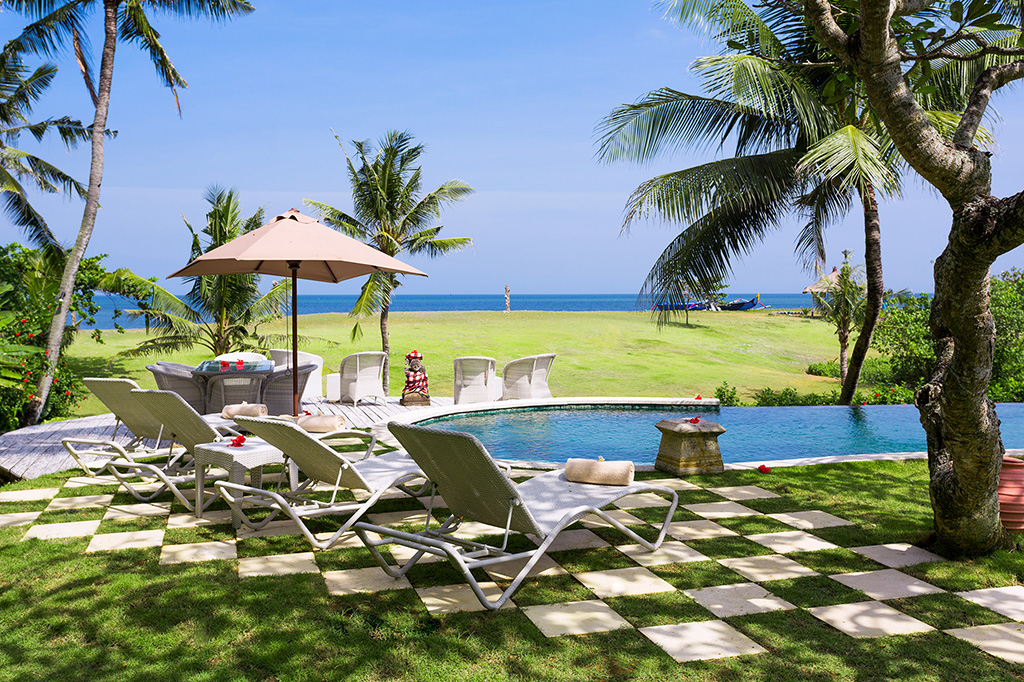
(20, 89)
(804, 143)
(59, 24)
(390, 215)
(221, 312)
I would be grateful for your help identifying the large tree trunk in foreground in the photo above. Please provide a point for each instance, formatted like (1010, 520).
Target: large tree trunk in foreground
(964, 447)
(92, 201)
(873, 304)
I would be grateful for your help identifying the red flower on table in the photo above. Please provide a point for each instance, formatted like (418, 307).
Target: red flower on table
(239, 363)
(237, 441)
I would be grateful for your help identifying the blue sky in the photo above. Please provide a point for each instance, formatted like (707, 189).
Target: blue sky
(506, 97)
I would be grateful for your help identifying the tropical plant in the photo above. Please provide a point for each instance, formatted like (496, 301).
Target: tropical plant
(390, 214)
(804, 142)
(20, 89)
(841, 302)
(57, 24)
(221, 312)
(978, 45)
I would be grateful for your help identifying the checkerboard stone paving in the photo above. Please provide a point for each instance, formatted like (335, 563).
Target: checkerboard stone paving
(605, 569)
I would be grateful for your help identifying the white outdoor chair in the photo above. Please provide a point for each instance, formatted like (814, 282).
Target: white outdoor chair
(277, 389)
(315, 382)
(244, 356)
(362, 376)
(527, 377)
(232, 389)
(323, 465)
(475, 489)
(476, 380)
(116, 395)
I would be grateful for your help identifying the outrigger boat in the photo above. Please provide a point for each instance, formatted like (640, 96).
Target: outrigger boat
(740, 304)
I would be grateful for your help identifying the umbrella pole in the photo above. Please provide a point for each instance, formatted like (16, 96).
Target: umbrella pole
(294, 266)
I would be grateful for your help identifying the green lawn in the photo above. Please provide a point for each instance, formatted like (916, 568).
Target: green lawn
(120, 615)
(599, 353)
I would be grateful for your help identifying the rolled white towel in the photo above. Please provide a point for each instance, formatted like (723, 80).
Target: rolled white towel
(321, 423)
(244, 410)
(601, 473)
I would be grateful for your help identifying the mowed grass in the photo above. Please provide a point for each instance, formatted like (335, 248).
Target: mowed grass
(68, 615)
(599, 353)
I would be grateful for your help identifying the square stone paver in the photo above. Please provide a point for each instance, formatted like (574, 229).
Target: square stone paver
(886, 584)
(348, 540)
(197, 551)
(721, 510)
(79, 502)
(869, 619)
(791, 541)
(18, 519)
(475, 529)
(439, 502)
(1005, 640)
(415, 517)
(809, 520)
(123, 512)
(670, 552)
(54, 531)
(701, 641)
(897, 554)
(642, 501)
(30, 495)
(698, 530)
(739, 599)
(620, 515)
(764, 568)
(361, 580)
(621, 582)
(575, 618)
(402, 554)
(737, 493)
(456, 598)
(131, 540)
(573, 539)
(210, 518)
(674, 483)
(1006, 601)
(278, 564)
(545, 566)
(271, 530)
(362, 495)
(83, 481)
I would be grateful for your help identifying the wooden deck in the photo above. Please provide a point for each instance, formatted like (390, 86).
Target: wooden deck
(36, 450)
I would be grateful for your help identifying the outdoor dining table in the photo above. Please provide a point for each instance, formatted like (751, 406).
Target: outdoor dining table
(209, 368)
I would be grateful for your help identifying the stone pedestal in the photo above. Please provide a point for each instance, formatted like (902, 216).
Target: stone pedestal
(415, 398)
(688, 448)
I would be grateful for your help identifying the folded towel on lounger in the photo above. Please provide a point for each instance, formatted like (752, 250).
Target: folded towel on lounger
(321, 423)
(244, 410)
(602, 473)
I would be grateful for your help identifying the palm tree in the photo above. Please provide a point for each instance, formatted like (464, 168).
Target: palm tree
(804, 143)
(841, 302)
(56, 24)
(390, 215)
(221, 312)
(19, 91)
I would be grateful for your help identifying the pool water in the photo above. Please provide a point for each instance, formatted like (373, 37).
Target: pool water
(752, 433)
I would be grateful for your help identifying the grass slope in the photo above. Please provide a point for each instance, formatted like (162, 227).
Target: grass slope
(599, 353)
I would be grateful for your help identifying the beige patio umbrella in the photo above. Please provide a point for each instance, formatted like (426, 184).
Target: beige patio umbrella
(823, 284)
(295, 245)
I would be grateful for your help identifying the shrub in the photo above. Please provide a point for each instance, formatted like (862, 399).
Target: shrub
(888, 395)
(726, 395)
(829, 368)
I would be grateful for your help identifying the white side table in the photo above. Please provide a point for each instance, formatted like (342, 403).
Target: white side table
(333, 382)
(251, 456)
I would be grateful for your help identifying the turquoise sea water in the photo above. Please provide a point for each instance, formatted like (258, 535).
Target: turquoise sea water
(310, 304)
(753, 434)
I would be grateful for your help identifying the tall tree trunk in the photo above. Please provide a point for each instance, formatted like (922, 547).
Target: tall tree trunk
(385, 344)
(964, 447)
(67, 282)
(876, 289)
(844, 338)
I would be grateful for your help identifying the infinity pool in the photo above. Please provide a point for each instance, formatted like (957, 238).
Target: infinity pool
(752, 433)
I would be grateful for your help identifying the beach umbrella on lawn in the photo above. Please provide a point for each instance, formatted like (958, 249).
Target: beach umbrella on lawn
(823, 284)
(295, 245)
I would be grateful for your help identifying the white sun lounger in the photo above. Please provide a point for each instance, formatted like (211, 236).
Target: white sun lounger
(474, 488)
(340, 471)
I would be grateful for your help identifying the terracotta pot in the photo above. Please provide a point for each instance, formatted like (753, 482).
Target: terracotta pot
(1011, 493)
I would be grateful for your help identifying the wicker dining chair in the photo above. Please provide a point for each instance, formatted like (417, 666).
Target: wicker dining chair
(178, 379)
(231, 389)
(277, 388)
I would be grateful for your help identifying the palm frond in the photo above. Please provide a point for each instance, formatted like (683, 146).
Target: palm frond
(853, 159)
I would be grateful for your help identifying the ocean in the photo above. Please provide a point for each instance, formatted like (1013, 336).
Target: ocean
(341, 303)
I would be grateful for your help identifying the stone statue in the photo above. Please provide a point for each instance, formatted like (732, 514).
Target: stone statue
(416, 391)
